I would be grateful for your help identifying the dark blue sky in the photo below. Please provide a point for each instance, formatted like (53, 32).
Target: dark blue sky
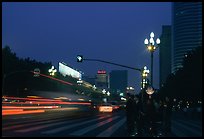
(111, 31)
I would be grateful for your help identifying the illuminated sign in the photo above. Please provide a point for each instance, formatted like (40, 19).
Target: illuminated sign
(36, 72)
(65, 70)
(101, 72)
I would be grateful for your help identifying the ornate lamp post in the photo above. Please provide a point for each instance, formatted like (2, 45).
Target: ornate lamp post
(151, 46)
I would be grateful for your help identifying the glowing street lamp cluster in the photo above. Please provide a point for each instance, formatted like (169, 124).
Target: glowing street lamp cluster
(145, 73)
(52, 71)
(151, 44)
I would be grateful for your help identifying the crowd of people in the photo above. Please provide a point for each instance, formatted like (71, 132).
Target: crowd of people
(148, 114)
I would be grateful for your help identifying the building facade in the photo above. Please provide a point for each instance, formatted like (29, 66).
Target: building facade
(118, 81)
(186, 30)
(102, 79)
(165, 54)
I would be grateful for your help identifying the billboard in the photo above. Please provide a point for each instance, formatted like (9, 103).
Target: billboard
(101, 76)
(101, 72)
(68, 71)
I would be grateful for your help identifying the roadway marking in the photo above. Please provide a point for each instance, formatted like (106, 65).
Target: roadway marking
(89, 128)
(56, 130)
(48, 117)
(196, 125)
(47, 125)
(108, 132)
(24, 117)
(29, 124)
(188, 130)
(177, 132)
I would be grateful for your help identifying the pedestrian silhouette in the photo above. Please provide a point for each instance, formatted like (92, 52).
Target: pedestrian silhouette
(167, 112)
(137, 115)
(150, 116)
(130, 114)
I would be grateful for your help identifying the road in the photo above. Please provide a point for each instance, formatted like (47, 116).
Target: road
(85, 124)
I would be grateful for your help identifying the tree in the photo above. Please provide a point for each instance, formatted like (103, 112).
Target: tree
(186, 83)
(16, 72)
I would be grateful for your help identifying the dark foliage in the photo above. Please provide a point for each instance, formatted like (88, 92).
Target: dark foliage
(186, 83)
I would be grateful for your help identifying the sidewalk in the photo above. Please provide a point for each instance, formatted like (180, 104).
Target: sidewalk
(188, 115)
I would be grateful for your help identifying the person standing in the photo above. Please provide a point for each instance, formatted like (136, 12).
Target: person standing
(138, 118)
(151, 116)
(167, 113)
(130, 115)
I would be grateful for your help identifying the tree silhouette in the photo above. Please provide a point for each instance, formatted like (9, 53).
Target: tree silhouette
(19, 81)
(186, 83)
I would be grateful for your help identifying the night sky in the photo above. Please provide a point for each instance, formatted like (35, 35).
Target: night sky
(115, 32)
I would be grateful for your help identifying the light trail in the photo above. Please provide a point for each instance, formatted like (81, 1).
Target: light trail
(54, 78)
(21, 112)
(42, 101)
(30, 107)
(34, 106)
(39, 99)
(38, 103)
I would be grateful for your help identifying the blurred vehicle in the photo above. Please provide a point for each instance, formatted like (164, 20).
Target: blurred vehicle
(106, 107)
(115, 105)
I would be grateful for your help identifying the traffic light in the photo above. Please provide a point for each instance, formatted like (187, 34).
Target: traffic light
(79, 58)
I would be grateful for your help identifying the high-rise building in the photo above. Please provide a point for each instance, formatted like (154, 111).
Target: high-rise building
(186, 30)
(165, 54)
(102, 79)
(118, 81)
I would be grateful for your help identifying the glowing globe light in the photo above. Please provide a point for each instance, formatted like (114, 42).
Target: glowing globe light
(152, 34)
(158, 41)
(146, 41)
(150, 90)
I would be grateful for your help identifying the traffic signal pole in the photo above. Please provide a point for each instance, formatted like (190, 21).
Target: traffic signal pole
(80, 59)
(114, 64)
(140, 70)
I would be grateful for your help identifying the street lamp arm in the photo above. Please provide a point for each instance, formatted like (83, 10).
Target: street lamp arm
(113, 64)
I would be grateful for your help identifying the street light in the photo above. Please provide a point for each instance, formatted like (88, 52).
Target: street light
(52, 71)
(104, 91)
(150, 91)
(145, 73)
(108, 93)
(79, 58)
(151, 46)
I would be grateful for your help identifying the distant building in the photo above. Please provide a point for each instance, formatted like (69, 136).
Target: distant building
(165, 54)
(102, 79)
(186, 30)
(89, 79)
(118, 81)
